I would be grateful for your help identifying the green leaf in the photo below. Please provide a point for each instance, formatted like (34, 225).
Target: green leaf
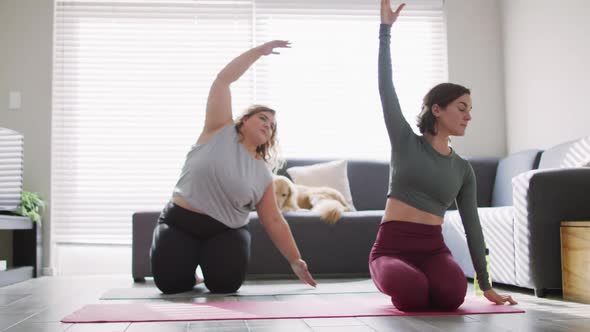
(32, 206)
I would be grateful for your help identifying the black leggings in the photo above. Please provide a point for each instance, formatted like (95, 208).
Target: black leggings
(184, 239)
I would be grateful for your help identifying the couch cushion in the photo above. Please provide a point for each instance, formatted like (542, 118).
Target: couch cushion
(574, 153)
(299, 162)
(509, 167)
(368, 180)
(332, 174)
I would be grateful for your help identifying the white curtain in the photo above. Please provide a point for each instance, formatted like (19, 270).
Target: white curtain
(131, 81)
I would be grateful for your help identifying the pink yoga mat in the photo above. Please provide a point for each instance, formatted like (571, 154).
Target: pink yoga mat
(158, 312)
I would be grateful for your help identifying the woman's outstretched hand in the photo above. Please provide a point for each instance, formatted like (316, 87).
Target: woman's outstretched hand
(300, 268)
(268, 48)
(387, 15)
(491, 295)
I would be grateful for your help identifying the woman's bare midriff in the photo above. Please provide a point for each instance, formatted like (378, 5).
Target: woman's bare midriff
(396, 210)
(184, 204)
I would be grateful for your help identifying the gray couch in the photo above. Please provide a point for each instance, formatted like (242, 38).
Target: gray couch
(524, 250)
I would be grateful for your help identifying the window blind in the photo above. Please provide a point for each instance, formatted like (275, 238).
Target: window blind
(325, 88)
(11, 169)
(131, 80)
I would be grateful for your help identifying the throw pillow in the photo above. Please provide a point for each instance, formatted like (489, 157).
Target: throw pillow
(333, 174)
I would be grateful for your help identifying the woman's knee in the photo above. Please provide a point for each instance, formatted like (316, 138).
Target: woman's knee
(450, 304)
(411, 303)
(173, 259)
(224, 276)
(223, 285)
(172, 275)
(225, 261)
(407, 286)
(449, 294)
(171, 285)
(408, 292)
(448, 284)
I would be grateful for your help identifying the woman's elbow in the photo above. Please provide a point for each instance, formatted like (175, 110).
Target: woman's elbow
(274, 222)
(223, 78)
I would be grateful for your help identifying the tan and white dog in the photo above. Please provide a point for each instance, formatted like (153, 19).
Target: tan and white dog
(328, 202)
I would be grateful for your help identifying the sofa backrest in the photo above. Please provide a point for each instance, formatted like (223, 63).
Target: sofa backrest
(485, 173)
(575, 153)
(368, 180)
(509, 167)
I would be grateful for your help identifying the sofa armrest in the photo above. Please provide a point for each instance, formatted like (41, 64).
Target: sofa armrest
(542, 199)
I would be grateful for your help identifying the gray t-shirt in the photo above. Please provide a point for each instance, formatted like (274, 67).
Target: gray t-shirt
(222, 179)
(421, 176)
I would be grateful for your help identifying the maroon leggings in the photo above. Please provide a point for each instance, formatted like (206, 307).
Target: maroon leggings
(411, 263)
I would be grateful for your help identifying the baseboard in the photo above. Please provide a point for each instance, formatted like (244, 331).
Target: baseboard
(48, 271)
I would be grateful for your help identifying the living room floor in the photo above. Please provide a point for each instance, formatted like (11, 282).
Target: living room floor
(39, 305)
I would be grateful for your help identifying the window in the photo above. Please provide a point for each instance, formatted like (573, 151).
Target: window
(132, 77)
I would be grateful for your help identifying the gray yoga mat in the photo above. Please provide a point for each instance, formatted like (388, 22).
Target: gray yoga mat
(257, 288)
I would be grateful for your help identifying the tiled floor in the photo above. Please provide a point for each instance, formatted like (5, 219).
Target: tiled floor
(39, 305)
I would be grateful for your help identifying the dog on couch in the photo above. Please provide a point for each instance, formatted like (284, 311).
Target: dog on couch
(327, 202)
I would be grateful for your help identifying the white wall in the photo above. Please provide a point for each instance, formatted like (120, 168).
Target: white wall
(547, 52)
(26, 35)
(476, 61)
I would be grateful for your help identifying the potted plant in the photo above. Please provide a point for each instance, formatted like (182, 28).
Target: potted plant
(32, 205)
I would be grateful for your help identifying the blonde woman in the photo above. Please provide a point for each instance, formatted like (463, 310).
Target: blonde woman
(225, 176)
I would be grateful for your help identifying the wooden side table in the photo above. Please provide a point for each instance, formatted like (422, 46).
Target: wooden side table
(575, 260)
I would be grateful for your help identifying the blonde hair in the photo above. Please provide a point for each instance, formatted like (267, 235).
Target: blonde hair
(269, 151)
